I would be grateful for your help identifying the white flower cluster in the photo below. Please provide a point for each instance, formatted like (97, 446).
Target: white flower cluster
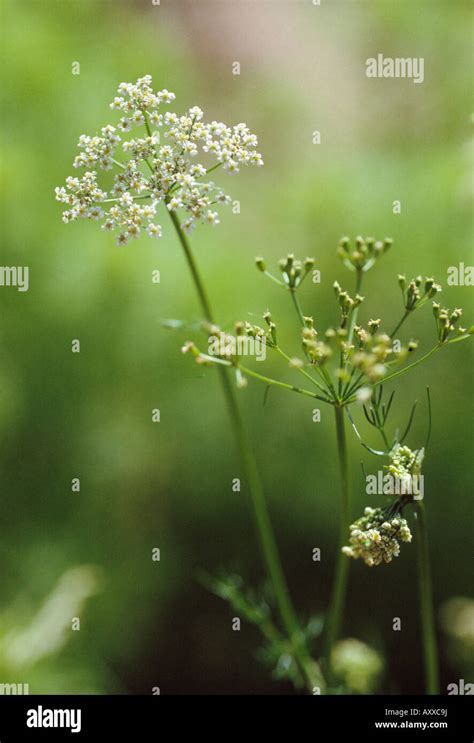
(161, 165)
(376, 539)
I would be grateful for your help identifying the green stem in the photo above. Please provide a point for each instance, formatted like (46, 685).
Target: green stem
(302, 371)
(297, 305)
(338, 596)
(399, 325)
(356, 311)
(430, 649)
(283, 385)
(407, 368)
(307, 667)
(351, 398)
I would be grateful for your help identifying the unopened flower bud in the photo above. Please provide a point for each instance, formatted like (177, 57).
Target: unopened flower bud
(374, 325)
(429, 282)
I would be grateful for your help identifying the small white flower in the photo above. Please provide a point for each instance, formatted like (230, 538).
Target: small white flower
(137, 117)
(133, 231)
(121, 239)
(96, 213)
(154, 230)
(211, 217)
(116, 104)
(124, 124)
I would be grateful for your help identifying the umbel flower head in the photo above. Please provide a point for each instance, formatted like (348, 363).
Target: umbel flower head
(376, 537)
(358, 665)
(159, 165)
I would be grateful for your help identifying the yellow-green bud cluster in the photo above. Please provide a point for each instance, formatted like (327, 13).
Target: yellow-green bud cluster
(346, 302)
(446, 321)
(293, 270)
(414, 294)
(316, 351)
(362, 255)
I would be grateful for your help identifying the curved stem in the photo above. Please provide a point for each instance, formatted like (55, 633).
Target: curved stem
(430, 648)
(308, 669)
(338, 596)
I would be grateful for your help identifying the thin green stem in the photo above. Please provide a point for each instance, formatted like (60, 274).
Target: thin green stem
(430, 648)
(297, 305)
(338, 596)
(135, 198)
(356, 311)
(407, 368)
(214, 167)
(399, 324)
(308, 669)
(303, 372)
(351, 398)
(323, 373)
(283, 385)
(120, 165)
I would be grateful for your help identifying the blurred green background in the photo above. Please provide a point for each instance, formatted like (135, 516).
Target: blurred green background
(88, 415)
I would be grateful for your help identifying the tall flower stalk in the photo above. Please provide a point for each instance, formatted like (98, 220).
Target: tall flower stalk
(307, 667)
(425, 591)
(161, 169)
(341, 574)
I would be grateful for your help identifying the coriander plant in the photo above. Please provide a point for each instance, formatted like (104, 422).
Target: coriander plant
(159, 171)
